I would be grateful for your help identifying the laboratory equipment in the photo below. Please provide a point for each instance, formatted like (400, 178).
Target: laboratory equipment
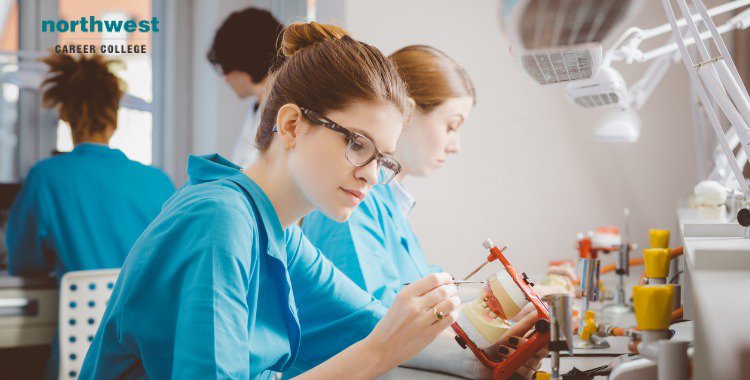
(561, 328)
(622, 269)
(716, 82)
(538, 339)
(608, 89)
(561, 41)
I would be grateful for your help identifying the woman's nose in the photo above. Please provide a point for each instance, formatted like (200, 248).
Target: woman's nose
(454, 145)
(368, 173)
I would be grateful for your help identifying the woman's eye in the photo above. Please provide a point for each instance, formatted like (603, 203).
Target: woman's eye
(356, 146)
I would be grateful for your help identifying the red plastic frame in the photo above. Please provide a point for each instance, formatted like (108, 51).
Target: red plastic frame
(538, 340)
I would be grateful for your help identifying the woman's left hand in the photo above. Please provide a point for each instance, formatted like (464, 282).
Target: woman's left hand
(514, 338)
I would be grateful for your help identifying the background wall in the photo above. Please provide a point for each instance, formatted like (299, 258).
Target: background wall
(530, 173)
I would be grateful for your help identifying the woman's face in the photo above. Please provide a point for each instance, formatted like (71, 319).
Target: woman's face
(319, 165)
(429, 138)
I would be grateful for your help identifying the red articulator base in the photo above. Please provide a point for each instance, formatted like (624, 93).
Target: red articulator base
(538, 340)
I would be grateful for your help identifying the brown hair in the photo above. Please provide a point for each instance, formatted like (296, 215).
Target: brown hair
(431, 76)
(84, 90)
(324, 69)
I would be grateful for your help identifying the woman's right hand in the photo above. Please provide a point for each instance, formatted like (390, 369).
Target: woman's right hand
(411, 323)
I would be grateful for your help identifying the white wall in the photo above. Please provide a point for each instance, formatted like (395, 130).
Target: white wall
(530, 173)
(202, 113)
(217, 113)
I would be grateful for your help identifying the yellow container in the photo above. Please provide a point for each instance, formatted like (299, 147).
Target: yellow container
(653, 306)
(659, 238)
(589, 325)
(656, 261)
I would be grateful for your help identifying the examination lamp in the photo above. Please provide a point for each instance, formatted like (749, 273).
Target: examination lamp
(608, 89)
(620, 125)
(561, 41)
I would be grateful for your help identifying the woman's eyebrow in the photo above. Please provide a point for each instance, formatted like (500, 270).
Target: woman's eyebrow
(363, 133)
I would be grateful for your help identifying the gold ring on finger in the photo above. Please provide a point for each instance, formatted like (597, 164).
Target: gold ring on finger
(438, 314)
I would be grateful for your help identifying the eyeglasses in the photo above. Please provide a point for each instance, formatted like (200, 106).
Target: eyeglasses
(360, 150)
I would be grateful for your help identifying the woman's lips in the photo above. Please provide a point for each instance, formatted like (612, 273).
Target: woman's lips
(355, 196)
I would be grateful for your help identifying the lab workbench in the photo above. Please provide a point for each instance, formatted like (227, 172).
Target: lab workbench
(717, 281)
(28, 310)
(28, 322)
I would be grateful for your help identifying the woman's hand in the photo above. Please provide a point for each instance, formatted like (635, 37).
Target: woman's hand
(411, 322)
(514, 338)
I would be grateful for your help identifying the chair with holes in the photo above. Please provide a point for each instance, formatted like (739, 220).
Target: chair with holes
(83, 299)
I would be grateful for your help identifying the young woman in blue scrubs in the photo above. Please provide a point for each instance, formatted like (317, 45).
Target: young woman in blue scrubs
(376, 247)
(224, 284)
(84, 209)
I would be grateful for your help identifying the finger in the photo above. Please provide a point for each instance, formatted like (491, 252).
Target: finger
(448, 320)
(525, 371)
(427, 283)
(541, 354)
(447, 307)
(524, 325)
(437, 295)
(524, 312)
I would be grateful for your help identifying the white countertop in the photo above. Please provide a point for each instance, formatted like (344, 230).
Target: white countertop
(718, 283)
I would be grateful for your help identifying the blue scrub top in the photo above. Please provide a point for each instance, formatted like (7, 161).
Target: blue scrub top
(376, 247)
(82, 210)
(215, 288)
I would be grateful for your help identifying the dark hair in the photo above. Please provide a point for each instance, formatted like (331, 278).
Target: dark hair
(85, 92)
(431, 76)
(246, 42)
(325, 70)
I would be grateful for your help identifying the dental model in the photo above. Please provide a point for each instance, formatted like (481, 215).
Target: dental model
(606, 237)
(488, 315)
(710, 197)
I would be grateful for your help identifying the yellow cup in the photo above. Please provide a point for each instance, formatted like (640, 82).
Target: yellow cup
(659, 238)
(656, 261)
(653, 306)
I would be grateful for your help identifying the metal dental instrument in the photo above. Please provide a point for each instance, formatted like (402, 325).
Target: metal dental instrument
(490, 258)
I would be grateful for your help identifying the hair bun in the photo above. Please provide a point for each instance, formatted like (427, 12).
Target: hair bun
(300, 35)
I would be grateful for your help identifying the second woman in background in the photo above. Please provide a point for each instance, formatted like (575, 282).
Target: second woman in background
(377, 247)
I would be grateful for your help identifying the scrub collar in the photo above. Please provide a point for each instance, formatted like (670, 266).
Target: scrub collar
(214, 167)
(404, 201)
(96, 149)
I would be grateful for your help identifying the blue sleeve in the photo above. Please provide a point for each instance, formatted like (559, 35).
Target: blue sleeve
(167, 187)
(333, 312)
(28, 251)
(358, 248)
(211, 330)
(435, 268)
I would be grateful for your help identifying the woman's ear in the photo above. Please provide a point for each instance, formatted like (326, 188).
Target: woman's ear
(412, 109)
(287, 124)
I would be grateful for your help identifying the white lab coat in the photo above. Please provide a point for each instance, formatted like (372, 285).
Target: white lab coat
(245, 152)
